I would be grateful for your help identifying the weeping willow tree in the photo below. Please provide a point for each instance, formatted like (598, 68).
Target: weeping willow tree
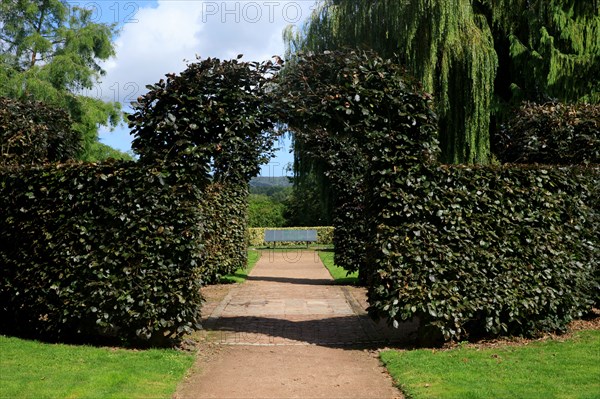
(548, 49)
(478, 57)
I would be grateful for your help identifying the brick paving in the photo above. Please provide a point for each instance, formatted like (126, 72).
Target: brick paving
(290, 332)
(290, 299)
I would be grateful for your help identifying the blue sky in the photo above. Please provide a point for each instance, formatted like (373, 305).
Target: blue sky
(157, 37)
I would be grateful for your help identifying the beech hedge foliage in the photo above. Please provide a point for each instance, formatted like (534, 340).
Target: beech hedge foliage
(213, 117)
(468, 251)
(211, 123)
(32, 133)
(553, 133)
(99, 250)
(333, 101)
(120, 250)
(471, 251)
(224, 207)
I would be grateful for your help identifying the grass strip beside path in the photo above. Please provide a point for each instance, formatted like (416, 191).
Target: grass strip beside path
(339, 274)
(545, 369)
(31, 369)
(241, 274)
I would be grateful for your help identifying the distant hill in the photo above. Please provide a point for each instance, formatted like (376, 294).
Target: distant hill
(262, 181)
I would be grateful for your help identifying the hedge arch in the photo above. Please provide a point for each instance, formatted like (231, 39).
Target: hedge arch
(467, 251)
(336, 104)
(221, 116)
(370, 130)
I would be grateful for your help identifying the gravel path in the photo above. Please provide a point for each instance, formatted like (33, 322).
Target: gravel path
(289, 332)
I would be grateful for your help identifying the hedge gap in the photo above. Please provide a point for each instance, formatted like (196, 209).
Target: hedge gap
(119, 250)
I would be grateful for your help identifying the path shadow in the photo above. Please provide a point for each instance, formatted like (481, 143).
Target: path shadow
(291, 280)
(353, 331)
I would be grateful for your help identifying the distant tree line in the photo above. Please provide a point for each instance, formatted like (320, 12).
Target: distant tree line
(287, 206)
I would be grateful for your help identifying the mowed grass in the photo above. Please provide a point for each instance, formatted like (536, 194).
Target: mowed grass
(339, 274)
(241, 275)
(548, 369)
(30, 369)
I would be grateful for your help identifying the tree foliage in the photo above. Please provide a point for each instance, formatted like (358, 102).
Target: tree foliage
(309, 203)
(265, 212)
(548, 49)
(476, 57)
(50, 51)
(101, 151)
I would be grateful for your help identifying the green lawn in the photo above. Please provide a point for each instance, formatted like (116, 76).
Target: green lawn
(549, 369)
(30, 369)
(340, 275)
(241, 275)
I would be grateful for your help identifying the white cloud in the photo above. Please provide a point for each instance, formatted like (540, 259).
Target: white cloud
(151, 47)
(173, 31)
(170, 31)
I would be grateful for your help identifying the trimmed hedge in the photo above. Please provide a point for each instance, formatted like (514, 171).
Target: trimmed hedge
(120, 250)
(481, 250)
(554, 134)
(99, 250)
(32, 133)
(256, 235)
(224, 208)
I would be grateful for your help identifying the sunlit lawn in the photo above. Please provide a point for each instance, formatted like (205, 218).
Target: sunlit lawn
(30, 369)
(548, 369)
(340, 275)
(241, 275)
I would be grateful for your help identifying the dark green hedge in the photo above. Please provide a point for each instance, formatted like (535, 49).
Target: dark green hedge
(554, 134)
(32, 133)
(108, 250)
(121, 250)
(212, 117)
(224, 209)
(481, 250)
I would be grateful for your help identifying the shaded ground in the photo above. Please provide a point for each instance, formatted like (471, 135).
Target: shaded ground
(289, 332)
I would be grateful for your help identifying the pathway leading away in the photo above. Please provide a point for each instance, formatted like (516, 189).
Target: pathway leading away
(289, 332)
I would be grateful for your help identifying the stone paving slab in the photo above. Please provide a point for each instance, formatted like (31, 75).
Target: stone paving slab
(294, 303)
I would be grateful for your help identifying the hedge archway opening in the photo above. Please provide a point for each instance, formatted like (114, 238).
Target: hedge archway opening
(466, 250)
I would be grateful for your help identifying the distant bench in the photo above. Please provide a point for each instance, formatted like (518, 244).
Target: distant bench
(306, 236)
